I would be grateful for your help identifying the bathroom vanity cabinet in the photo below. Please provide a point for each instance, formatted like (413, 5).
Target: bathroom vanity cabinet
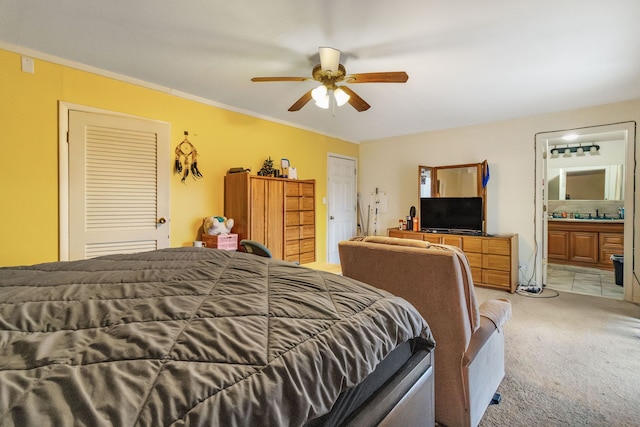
(585, 243)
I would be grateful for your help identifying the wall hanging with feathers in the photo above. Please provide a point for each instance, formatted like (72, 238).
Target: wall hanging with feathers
(186, 159)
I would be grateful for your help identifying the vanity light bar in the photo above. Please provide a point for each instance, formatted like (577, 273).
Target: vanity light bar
(580, 150)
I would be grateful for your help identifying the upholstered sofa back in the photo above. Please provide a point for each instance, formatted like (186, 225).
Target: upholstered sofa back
(398, 266)
(436, 279)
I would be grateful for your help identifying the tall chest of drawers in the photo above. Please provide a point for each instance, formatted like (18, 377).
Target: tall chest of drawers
(277, 212)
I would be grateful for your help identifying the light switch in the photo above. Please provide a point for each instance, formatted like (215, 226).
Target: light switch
(27, 65)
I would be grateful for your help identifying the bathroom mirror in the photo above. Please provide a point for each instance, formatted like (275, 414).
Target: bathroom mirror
(587, 175)
(586, 183)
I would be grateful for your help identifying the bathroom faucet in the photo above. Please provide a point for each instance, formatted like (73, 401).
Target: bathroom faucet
(597, 214)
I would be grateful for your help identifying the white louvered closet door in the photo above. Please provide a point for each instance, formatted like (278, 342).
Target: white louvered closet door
(119, 169)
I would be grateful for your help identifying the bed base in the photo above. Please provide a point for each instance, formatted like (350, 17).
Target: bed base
(406, 400)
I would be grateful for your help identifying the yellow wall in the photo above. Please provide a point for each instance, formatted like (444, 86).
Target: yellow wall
(224, 139)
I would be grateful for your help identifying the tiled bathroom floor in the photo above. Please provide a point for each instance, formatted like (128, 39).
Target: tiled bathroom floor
(586, 281)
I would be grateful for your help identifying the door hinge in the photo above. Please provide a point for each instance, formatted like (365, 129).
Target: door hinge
(355, 171)
(67, 137)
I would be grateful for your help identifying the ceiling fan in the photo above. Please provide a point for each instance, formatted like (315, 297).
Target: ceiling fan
(329, 73)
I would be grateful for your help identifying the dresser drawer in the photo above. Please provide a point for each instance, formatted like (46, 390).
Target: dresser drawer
(291, 189)
(292, 232)
(496, 262)
(292, 203)
(307, 245)
(292, 258)
(292, 248)
(475, 260)
(495, 277)
(476, 274)
(306, 189)
(307, 217)
(307, 257)
(307, 231)
(452, 241)
(472, 244)
(496, 246)
(431, 239)
(293, 218)
(306, 203)
(403, 234)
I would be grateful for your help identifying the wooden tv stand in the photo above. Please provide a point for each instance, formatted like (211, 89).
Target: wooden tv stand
(493, 259)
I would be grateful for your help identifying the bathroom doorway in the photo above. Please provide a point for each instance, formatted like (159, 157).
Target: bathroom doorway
(577, 230)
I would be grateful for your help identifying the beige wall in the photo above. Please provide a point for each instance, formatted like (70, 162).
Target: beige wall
(391, 164)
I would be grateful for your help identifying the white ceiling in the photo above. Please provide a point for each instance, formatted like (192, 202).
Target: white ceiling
(468, 61)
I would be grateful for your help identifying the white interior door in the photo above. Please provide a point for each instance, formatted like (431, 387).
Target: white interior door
(119, 171)
(342, 203)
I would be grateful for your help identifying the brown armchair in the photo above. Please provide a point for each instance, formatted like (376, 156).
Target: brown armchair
(436, 279)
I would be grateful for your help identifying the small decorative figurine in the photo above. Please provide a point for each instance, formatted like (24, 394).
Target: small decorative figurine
(267, 168)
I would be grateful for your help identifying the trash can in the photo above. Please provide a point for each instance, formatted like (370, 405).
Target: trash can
(618, 263)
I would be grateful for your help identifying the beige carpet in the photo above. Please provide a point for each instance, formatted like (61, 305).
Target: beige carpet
(573, 360)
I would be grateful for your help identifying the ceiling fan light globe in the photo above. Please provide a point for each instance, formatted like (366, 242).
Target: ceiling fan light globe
(341, 97)
(323, 103)
(319, 93)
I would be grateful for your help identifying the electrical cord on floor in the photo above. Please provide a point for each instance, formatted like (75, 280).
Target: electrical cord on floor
(536, 292)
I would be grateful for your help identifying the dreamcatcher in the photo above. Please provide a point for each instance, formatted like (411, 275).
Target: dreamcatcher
(187, 159)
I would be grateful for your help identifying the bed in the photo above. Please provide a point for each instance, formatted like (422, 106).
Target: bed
(193, 336)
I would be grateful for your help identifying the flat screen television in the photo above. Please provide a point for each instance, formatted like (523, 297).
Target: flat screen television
(451, 214)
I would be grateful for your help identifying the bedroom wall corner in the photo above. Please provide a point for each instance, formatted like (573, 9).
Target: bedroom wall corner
(224, 139)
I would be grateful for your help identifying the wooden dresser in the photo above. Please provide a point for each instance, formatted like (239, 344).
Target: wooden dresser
(493, 259)
(277, 212)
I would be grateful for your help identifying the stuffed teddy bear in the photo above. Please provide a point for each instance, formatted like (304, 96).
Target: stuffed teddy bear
(215, 225)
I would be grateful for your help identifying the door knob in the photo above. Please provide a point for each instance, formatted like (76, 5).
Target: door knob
(331, 217)
(161, 221)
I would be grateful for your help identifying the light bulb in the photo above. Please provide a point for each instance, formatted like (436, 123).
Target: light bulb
(341, 97)
(323, 102)
(319, 93)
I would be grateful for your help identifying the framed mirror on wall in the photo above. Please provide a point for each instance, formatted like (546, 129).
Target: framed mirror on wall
(464, 180)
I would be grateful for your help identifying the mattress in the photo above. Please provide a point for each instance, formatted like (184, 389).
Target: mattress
(188, 336)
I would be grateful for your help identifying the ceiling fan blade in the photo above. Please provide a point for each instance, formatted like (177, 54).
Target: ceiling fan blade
(355, 100)
(383, 77)
(329, 59)
(280, 79)
(301, 102)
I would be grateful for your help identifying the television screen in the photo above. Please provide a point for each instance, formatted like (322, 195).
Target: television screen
(451, 214)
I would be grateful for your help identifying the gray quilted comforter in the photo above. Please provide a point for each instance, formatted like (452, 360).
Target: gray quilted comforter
(187, 336)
